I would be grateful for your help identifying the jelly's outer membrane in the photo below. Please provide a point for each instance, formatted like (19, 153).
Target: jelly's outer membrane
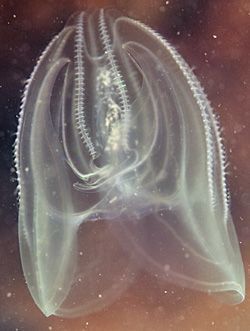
(136, 189)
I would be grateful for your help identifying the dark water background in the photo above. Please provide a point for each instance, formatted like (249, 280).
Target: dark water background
(214, 37)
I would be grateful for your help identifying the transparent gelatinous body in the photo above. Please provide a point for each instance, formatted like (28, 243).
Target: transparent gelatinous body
(120, 167)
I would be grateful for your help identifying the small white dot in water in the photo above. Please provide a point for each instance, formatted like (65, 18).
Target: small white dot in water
(214, 36)
(99, 296)
(50, 327)
(27, 169)
(81, 253)
(9, 295)
(165, 291)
